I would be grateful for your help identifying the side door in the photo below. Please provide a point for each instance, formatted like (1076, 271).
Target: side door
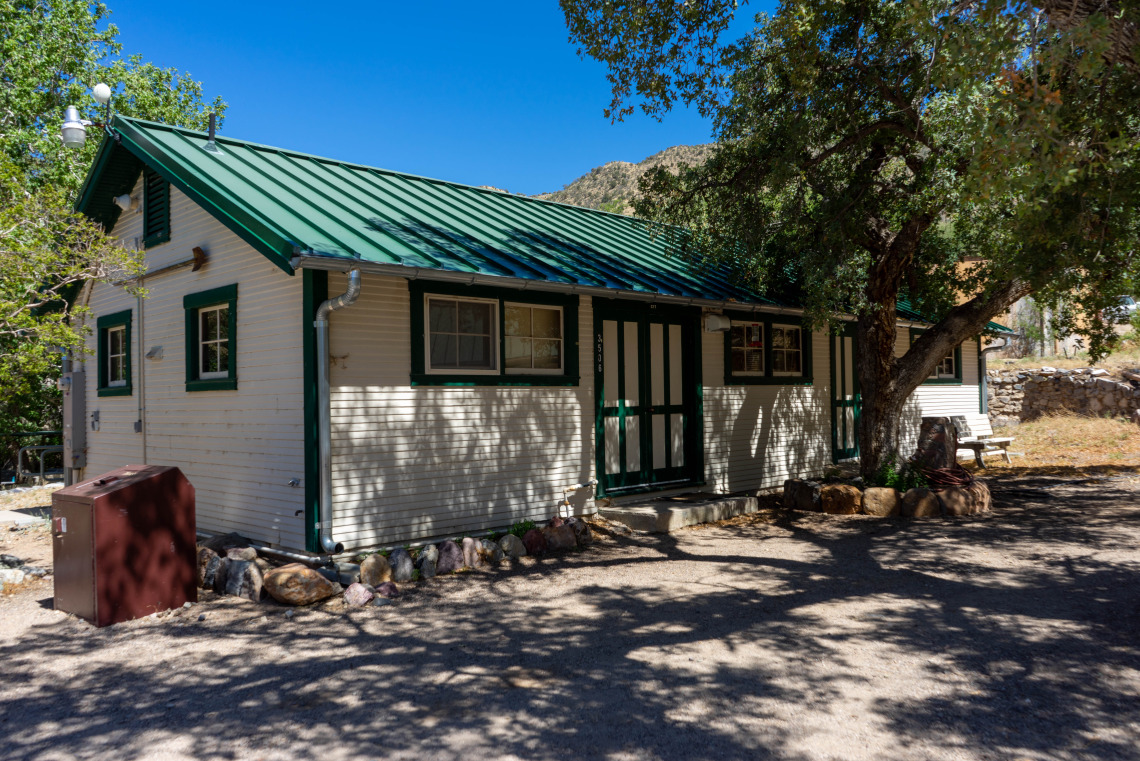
(846, 401)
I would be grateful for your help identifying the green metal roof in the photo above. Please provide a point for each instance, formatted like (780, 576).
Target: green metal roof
(285, 203)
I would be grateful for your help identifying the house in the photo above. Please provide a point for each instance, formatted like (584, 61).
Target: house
(490, 351)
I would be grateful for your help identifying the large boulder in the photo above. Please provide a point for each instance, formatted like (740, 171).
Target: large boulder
(937, 443)
(808, 496)
(790, 493)
(965, 500)
(358, 595)
(559, 537)
(427, 568)
(881, 501)
(375, 569)
(920, 503)
(243, 579)
(512, 546)
(297, 584)
(219, 543)
(534, 541)
(582, 533)
(982, 498)
(450, 558)
(402, 565)
(471, 553)
(428, 552)
(841, 499)
(248, 554)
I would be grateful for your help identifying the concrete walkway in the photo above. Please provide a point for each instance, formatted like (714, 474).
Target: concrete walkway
(665, 514)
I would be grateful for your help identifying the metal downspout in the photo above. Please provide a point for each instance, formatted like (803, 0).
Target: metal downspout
(324, 402)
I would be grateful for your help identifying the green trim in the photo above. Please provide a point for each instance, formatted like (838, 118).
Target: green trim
(105, 322)
(983, 397)
(191, 303)
(806, 378)
(957, 379)
(156, 209)
(570, 344)
(314, 289)
(837, 362)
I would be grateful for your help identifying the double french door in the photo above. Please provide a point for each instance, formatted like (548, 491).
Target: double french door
(646, 390)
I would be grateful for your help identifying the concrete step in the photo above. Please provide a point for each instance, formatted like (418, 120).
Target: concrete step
(660, 516)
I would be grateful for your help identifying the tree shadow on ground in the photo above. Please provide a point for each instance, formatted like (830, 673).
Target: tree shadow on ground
(999, 636)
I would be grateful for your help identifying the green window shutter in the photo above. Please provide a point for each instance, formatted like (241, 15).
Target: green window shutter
(102, 326)
(156, 209)
(192, 303)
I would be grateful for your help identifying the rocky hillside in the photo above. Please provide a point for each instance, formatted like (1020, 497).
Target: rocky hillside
(613, 186)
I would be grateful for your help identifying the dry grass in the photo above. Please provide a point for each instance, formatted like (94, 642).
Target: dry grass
(1125, 359)
(1067, 444)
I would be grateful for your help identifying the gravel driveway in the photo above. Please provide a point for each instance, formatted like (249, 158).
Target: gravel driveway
(790, 636)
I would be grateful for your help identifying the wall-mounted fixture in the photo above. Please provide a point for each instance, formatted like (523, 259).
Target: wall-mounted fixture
(200, 258)
(127, 202)
(74, 130)
(717, 323)
(154, 353)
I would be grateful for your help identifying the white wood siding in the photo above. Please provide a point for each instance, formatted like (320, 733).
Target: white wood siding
(420, 462)
(238, 448)
(941, 399)
(758, 436)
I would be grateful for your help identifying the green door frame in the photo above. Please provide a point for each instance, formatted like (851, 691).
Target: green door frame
(839, 391)
(647, 478)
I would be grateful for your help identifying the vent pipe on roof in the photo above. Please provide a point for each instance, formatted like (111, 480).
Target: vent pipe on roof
(324, 401)
(211, 146)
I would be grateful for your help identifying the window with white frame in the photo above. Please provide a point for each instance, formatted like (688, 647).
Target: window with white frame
(533, 341)
(462, 335)
(746, 340)
(945, 369)
(214, 342)
(787, 350)
(116, 356)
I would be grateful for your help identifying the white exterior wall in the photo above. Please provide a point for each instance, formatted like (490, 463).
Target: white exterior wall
(238, 448)
(758, 436)
(423, 462)
(940, 399)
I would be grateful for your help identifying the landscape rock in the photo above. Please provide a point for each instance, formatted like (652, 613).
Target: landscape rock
(559, 537)
(402, 565)
(471, 553)
(582, 532)
(297, 584)
(208, 562)
(921, 503)
(512, 546)
(983, 500)
(790, 494)
(11, 576)
(427, 568)
(490, 552)
(881, 501)
(841, 499)
(243, 579)
(34, 571)
(534, 541)
(263, 565)
(807, 496)
(11, 561)
(937, 443)
(450, 558)
(375, 569)
(248, 554)
(555, 522)
(429, 552)
(358, 595)
(388, 590)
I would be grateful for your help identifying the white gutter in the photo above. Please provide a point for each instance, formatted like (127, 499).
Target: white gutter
(324, 400)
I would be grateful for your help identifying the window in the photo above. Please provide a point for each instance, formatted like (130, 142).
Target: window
(747, 341)
(949, 369)
(787, 355)
(156, 209)
(481, 336)
(461, 335)
(114, 354)
(759, 350)
(211, 339)
(533, 338)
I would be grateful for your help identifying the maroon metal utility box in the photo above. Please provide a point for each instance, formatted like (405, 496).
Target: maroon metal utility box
(123, 544)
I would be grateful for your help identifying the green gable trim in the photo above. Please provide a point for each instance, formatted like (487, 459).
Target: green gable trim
(315, 289)
(806, 378)
(191, 303)
(570, 345)
(957, 379)
(101, 326)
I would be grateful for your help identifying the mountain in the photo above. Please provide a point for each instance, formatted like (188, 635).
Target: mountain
(613, 186)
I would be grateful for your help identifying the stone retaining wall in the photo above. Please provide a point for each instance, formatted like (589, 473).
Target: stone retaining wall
(1017, 396)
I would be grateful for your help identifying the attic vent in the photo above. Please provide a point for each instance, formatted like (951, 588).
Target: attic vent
(156, 209)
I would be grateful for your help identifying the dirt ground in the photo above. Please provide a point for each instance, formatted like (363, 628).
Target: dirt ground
(1012, 635)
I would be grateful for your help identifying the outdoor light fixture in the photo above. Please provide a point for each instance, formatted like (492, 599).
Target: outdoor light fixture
(717, 323)
(126, 202)
(74, 130)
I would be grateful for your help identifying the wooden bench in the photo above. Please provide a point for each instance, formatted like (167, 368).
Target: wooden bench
(976, 437)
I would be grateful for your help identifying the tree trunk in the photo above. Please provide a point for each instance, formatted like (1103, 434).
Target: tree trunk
(882, 400)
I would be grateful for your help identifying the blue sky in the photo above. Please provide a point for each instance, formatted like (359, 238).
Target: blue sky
(481, 93)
